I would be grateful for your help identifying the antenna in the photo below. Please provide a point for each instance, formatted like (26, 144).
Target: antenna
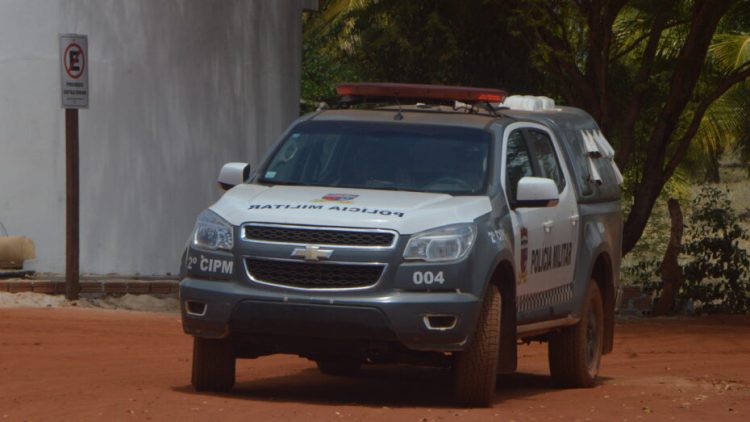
(399, 116)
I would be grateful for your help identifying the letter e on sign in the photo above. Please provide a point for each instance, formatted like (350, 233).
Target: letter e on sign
(74, 70)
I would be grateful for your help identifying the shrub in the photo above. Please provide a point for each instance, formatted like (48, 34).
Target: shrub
(717, 270)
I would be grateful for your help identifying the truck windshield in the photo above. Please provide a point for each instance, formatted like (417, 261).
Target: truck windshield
(421, 158)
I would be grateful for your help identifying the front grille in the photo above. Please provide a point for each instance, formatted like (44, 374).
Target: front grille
(318, 236)
(314, 276)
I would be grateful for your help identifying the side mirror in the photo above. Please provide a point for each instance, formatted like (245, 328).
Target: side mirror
(536, 192)
(233, 174)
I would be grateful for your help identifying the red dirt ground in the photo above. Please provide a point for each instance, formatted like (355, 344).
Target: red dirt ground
(85, 364)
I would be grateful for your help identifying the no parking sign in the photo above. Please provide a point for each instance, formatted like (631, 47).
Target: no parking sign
(74, 84)
(74, 70)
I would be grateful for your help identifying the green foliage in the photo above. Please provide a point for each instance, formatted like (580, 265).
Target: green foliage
(642, 263)
(593, 55)
(323, 63)
(322, 70)
(731, 51)
(645, 274)
(421, 41)
(641, 266)
(717, 275)
(716, 267)
(725, 122)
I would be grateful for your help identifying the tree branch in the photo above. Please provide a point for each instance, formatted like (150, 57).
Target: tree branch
(556, 18)
(640, 86)
(600, 15)
(643, 37)
(560, 60)
(742, 73)
(573, 74)
(706, 15)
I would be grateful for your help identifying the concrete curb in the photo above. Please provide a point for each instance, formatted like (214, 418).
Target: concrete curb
(94, 287)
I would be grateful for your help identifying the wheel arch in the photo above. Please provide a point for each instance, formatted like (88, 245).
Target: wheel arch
(602, 274)
(503, 278)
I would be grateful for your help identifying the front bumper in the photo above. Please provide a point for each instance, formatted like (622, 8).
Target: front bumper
(238, 309)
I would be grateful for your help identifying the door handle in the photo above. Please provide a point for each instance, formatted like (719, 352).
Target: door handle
(547, 226)
(574, 219)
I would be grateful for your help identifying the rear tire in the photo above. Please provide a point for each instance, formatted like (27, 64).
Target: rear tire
(475, 369)
(576, 352)
(339, 368)
(213, 365)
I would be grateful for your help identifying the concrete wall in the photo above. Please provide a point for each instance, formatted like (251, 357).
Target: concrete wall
(178, 87)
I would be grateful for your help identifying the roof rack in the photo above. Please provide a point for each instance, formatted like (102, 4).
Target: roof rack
(372, 92)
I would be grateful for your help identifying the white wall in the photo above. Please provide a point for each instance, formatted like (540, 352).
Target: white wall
(178, 87)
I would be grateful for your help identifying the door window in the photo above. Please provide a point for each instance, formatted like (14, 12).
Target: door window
(530, 152)
(518, 163)
(544, 153)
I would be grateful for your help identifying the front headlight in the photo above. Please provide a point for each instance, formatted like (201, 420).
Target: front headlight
(212, 232)
(449, 243)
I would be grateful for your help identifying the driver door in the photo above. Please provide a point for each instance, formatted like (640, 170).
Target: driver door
(545, 252)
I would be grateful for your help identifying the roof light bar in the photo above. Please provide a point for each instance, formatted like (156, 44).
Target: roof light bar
(421, 92)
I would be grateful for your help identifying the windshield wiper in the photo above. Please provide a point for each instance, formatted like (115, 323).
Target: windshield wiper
(394, 188)
(281, 182)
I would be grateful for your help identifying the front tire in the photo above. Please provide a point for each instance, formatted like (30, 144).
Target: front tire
(213, 365)
(576, 352)
(475, 369)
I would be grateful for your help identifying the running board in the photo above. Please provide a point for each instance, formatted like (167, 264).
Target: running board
(542, 327)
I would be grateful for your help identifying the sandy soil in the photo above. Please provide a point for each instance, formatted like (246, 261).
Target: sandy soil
(84, 364)
(128, 302)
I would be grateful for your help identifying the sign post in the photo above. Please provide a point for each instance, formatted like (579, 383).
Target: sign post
(75, 95)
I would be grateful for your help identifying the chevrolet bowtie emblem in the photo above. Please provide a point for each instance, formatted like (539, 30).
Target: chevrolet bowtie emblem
(312, 253)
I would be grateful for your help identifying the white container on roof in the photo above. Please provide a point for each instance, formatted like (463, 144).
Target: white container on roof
(529, 103)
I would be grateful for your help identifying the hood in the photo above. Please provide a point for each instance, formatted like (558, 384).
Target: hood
(405, 212)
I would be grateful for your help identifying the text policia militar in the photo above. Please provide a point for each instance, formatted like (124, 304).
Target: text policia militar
(551, 257)
(326, 208)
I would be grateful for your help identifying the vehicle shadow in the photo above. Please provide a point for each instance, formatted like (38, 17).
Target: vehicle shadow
(378, 386)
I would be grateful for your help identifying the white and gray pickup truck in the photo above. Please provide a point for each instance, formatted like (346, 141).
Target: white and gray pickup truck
(436, 233)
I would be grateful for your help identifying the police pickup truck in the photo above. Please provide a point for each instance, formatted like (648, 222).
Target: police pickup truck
(436, 233)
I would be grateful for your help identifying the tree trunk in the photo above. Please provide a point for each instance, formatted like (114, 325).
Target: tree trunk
(644, 199)
(671, 272)
(713, 175)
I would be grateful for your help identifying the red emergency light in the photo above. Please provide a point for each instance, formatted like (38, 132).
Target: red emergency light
(372, 90)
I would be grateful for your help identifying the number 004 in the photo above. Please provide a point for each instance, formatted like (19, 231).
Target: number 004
(428, 277)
